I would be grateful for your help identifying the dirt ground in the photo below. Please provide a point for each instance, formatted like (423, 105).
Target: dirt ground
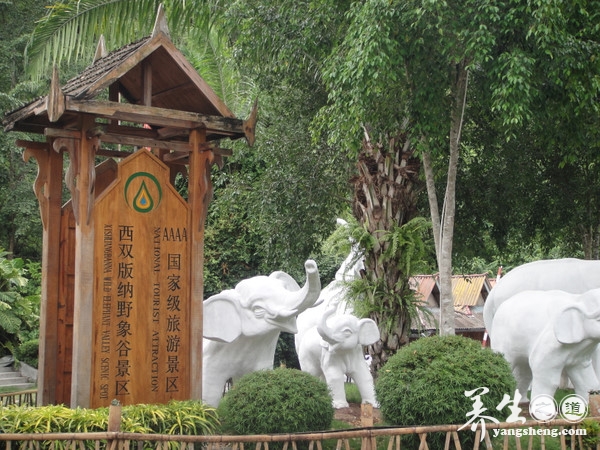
(352, 415)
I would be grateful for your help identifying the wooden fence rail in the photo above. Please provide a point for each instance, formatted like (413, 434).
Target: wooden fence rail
(28, 397)
(371, 438)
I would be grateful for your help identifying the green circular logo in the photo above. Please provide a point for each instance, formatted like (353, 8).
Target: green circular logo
(143, 192)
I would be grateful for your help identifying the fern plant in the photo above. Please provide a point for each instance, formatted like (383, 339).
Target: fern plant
(383, 293)
(19, 309)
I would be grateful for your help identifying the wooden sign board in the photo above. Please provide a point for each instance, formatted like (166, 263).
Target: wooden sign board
(141, 313)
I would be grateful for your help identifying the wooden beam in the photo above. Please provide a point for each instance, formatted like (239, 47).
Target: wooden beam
(160, 25)
(32, 144)
(62, 133)
(158, 116)
(175, 157)
(100, 49)
(147, 133)
(146, 83)
(48, 189)
(142, 142)
(250, 124)
(165, 132)
(173, 91)
(56, 99)
(112, 153)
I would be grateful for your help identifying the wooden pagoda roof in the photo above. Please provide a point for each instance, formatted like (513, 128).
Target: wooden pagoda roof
(156, 87)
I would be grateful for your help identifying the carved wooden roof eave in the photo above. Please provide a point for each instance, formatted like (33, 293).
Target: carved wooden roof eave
(106, 72)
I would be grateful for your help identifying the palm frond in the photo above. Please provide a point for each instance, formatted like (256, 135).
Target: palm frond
(210, 55)
(71, 29)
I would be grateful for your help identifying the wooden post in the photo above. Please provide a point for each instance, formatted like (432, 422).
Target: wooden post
(48, 189)
(114, 416)
(84, 269)
(366, 415)
(199, 196)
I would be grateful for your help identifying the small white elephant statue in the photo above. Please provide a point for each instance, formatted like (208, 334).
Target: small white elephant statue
(333, 350)
(543, 333)
(242, 325)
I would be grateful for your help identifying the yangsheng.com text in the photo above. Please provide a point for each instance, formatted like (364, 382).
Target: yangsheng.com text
(554, 432)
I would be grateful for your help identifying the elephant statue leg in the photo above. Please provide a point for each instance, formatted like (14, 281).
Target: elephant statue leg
(522, 373)
(364, 381)
(584, 379)
(545, 383)
(336, 381)
(309, 354)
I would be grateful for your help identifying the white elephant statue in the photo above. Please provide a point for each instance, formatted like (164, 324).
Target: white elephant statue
(242, 325)
(570, 275)
(333, 350)
(543, 333)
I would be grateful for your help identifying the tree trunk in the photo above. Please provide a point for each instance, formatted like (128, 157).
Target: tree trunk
(385, 197)
(447, 326)
(591, 241)
(443, 224)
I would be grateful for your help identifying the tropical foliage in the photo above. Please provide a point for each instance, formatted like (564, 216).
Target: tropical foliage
(187, 417)
(19, 308)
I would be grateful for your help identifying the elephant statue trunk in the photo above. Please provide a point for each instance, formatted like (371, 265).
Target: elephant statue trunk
(324, 330)
(307, 296)
(242, 325)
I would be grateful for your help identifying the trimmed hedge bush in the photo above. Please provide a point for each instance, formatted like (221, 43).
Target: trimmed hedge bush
(276, 401)
(425, 383)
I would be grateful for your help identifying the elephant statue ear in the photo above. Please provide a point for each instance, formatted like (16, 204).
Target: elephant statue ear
(368, 332)
(222, 321)
(568, 325)
(288, 282)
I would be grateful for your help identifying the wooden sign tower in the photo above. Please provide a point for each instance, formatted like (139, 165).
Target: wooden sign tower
(122, 263)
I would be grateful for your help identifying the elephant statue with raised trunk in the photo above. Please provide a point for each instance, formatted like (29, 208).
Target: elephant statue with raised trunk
(543, 333)
(242, 325)
(333, 350)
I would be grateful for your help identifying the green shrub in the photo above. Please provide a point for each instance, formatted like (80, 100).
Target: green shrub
(425, 383)
(27, 352)
(276, 401)
(352, 393)
(592, 433)
(176, 417)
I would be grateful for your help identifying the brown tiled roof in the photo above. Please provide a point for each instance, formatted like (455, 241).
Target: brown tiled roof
(465, 319)
(466, 291)
(78, 87)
